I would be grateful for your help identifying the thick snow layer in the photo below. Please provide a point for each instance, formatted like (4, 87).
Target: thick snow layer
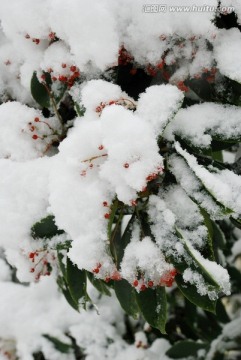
(227, 54)
(159, 104)
(199, 123)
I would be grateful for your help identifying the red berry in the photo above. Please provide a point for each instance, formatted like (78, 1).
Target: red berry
(54, 78)
(143, 287)
(63, 66)
(105, 203)
(76, 74)
(150, 283)
(37, 41)
(63, 78)
(107, 279)
(73, 68)
(52, 35)
(35, 137)
(36, 119)
(107, 216)
(160, 65)
(116, 276)
(32, 270)
(95, 271)
(91, 166)
(126, 165)
(135, 283)
(181, 86)
(31, 255)
(98, 265)
(173, 272)
(101, 147)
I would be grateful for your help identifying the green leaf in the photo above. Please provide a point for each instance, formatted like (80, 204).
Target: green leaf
(98, 284)
(76, 280)
(65, 290)
(119, 242)
(59, 345)
(203, 188)
(221, 312)
(62, 266)
(208, 224)
(80, 110)
(190, 292)
(45, 228)
(114, 208)
(185, 348)
(39, 91)
(126, 295)
(190, 250)
(153, 306)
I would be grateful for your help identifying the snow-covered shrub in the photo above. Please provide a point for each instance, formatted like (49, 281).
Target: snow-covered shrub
(118, 132)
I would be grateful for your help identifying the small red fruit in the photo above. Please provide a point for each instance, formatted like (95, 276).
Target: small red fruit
(116, 276)
(105, 203)
(95, 271)
(135, 283)
(32, 270)
(63, 78)
(107, 216)
(101, 147)
(73, 68)
(54, 78)
(31, 255)
(36, 119)
(63, 66)
(126, 165)
(35, 137)
(143, 287)
(150, 283)
(52, 35)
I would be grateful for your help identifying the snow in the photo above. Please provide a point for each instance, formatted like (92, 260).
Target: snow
(18, 127)
(216, 271)
(108, 155)
(159, 104)
(227, 54)
(224, 185)
(198, 124)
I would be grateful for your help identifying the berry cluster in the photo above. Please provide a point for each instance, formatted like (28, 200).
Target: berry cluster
(42, 261)
(115, 275)
(47, 138)
(34, 40)
(166, 280)
(69, 75)
(126, 103)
